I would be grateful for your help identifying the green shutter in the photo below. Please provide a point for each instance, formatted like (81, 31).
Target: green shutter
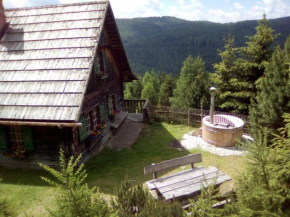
(3, 138)
(104, 60)
(83, 130)
(27, 138)
(110, 105)
(96, 65)
(102, 113)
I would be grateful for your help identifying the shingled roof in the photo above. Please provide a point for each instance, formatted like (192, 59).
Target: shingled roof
(46, 57)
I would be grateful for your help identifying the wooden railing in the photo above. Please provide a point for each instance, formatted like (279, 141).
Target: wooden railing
(192, 116)
(138, 106)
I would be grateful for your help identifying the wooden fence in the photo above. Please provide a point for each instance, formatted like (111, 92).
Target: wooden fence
(190, 117)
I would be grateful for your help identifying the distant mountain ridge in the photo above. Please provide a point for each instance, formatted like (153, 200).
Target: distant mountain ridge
(163, 43)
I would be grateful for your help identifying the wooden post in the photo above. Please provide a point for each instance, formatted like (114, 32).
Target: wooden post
(201, 111)
(192, 166)
(188, 117)
(155, 175)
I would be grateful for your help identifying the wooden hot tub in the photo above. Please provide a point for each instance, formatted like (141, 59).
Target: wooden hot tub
(225, 131)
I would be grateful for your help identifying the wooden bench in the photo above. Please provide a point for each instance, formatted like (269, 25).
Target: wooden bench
(190, 159)
(185, 183)
(118, 120)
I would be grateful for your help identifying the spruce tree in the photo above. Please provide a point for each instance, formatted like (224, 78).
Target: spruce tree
(150, 93)
(258, 192)
(225, 77)
(251, 65)
(133, 89)
(192, 86)
(274, 96)
(166, 91)
(150, 87)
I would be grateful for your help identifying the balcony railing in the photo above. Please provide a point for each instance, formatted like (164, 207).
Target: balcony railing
(138, 106)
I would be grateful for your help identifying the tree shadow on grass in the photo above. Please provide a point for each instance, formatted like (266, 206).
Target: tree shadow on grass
(109, 168)
(23, 176)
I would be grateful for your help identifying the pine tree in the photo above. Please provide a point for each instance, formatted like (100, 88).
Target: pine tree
(75, 198)
(260, 192)
(133, 200)
(166, 91)
(203, 207)
(251, 66)
(281, 164)
(274, 97)
(192, 86)
(150, 87)
(130, 199)
(133, 89)
(225, 77)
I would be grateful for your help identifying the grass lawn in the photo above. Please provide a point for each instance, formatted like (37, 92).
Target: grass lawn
(27, 194)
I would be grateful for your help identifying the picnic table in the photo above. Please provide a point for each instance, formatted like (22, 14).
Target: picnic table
(185, 183)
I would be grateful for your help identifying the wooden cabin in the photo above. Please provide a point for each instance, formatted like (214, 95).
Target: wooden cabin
(62, 69)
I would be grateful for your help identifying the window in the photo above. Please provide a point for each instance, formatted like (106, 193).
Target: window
(16, 136)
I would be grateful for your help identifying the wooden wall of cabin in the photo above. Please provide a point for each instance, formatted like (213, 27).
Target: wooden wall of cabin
(37, 139)
(100, 88)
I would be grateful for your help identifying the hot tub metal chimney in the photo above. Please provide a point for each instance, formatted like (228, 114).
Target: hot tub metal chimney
(212, 92)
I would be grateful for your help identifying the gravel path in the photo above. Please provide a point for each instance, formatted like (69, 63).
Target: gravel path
(191, 142)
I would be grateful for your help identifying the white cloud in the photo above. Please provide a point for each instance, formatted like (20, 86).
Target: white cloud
(196, 4)
(134, 8)
(238, 5)
(272, 8)
(222, 16)
(16, 3)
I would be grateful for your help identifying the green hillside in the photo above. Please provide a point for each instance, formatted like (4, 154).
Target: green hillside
(163, 43)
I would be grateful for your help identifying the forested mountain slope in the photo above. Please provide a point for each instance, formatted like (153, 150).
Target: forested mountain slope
(163, 43)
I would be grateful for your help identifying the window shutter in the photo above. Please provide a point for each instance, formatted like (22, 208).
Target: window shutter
(3, 138)
(96, 65)
(102, 113)
(110, 105)
(27, 138)
(83, 130)
(104, 60)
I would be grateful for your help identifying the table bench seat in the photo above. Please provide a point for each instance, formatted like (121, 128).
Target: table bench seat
(185, 183)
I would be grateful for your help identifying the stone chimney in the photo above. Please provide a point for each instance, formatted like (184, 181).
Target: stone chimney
(3, 23)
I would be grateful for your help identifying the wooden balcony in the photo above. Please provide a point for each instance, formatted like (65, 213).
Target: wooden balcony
(138, 106)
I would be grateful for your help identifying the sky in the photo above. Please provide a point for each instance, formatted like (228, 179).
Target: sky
(221, 11)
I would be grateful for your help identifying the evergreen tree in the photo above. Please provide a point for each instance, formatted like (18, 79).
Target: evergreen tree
(133, 200)
(133, 89)
(75, 198)
(225, 77)
(162, 208)
(203, 207)
(274, 97)
(130, 199)
(151, 87)
(251, 66)
(192, 86)
(150, 93)
(263, 188)
(166, 91)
